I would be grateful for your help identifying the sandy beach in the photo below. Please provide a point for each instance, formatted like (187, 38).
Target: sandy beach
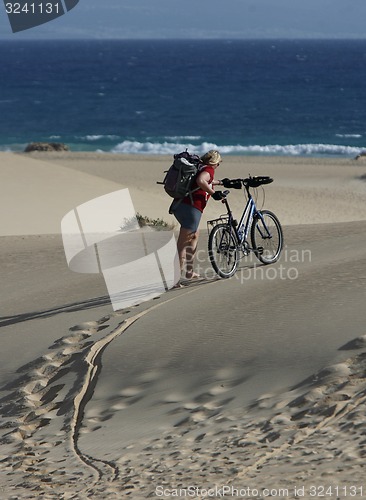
(250, 387)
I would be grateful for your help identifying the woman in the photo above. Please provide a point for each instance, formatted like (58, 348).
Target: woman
(188, 212)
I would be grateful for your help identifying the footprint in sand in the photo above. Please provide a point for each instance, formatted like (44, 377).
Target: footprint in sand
(77, 338)
(90, 325)
(357, 343)
(48, 369)
(334, 371)
(119, 406)
(130, 391)
(35, 386)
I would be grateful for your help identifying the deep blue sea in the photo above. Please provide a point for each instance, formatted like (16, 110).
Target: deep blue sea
(243, 97)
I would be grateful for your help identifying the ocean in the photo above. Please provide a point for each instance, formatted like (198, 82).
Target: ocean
(246, 97)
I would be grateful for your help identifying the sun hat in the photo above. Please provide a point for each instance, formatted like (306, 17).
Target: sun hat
(212, 157)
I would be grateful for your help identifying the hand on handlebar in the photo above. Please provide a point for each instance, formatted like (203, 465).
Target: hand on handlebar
(220, 195)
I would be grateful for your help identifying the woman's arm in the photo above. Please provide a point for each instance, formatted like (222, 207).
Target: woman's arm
(203, 180)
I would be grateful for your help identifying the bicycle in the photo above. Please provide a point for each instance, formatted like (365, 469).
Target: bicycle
(227, 238)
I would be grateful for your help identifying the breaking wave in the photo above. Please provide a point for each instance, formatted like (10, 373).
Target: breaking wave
(135, 147)
(96, 137)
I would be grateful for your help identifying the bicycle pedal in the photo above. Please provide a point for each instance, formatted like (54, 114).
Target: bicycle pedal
(260, 250)
(245, 248)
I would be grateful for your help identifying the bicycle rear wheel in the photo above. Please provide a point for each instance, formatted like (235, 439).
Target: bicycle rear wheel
(223, 251)
(267, 236)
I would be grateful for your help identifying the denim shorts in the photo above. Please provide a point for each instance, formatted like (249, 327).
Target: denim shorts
(188, 216)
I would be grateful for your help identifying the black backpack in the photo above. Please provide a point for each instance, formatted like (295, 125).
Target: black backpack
(181, 175)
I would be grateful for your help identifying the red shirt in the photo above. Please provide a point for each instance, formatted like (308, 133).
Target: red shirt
(200, 197)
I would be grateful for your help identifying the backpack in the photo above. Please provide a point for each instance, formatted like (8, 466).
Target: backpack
(181, 175)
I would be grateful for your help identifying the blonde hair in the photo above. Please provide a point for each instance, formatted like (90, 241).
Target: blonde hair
(212, 157)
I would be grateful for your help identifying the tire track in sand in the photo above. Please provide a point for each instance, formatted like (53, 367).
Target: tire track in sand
(103, 469)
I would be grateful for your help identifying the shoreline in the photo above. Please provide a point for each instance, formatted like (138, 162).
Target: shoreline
(142, 155)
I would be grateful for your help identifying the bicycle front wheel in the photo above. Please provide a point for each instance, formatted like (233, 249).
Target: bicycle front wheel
(223, 251)
(267, 236)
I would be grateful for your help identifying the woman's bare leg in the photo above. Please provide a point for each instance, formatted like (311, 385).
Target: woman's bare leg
(187, 246)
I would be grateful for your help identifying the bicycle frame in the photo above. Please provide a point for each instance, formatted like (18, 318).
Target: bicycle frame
(242, 229)
(246, 219)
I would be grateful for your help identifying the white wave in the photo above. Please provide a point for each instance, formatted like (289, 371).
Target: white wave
(183, 137)
(135, 147)
(352, 136)
(294, 149)
(96, 137)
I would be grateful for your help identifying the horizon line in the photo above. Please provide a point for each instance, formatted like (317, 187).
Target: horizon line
(183, 39)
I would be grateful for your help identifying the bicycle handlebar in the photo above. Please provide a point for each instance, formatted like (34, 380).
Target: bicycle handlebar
(257, 180)
(248, 182)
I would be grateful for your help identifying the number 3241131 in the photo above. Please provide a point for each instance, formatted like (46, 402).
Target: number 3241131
(32, 8)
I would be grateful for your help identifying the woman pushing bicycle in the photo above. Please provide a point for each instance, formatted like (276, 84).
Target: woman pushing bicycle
(188, 211)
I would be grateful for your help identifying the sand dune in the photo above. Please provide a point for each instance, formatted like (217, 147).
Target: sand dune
(254, 382)
(305, 191)
(35, 195)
